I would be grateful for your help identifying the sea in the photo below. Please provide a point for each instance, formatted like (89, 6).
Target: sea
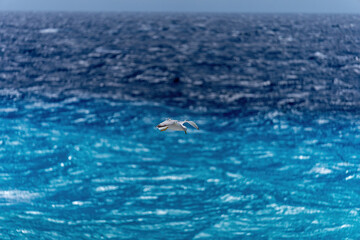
(276, 98)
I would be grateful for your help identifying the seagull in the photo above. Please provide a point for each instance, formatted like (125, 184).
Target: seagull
(175, 125)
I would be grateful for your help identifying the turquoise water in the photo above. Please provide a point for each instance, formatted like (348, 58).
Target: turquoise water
(102, 170)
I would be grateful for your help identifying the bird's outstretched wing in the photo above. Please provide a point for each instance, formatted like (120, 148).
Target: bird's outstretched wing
(192, 124)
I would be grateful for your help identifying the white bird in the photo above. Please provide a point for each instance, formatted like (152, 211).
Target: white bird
(175, 125)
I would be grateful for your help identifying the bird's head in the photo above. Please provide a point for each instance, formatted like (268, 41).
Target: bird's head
(163, 124)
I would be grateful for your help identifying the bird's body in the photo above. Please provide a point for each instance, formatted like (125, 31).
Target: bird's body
(175, 125)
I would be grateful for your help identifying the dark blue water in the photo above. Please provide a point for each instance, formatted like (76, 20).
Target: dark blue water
(276, 97)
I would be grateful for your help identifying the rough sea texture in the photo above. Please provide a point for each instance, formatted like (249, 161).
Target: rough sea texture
(276, 97)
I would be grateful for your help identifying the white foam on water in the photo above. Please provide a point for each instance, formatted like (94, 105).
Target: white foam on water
(49, 30)
(320, 170)
(106, 188)
(18, 195)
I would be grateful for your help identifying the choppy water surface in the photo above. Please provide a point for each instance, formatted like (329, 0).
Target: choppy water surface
(276, 98)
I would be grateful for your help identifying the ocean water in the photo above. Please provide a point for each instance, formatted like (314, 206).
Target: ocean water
(276, 97)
